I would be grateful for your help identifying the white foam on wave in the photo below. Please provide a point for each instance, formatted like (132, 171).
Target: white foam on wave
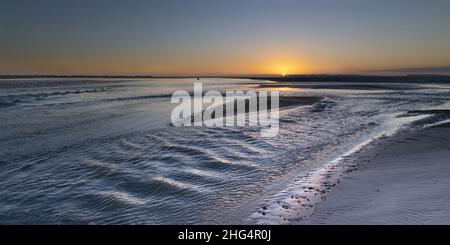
(122, 197)
(179, 184)
(203, 173)
(437, 123)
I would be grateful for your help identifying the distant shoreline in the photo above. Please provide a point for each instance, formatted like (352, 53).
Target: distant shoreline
(289, 78)
(359, 78)
(67, 76)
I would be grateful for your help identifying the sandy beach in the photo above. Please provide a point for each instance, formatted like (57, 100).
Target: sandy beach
(407, 181)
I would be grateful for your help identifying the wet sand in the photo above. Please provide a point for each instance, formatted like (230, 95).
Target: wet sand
(288, 101)
(407, 181)
(285, 102)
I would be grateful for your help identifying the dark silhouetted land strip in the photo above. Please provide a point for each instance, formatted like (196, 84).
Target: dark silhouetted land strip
(66, 76)
(357, 78)
(289, 78)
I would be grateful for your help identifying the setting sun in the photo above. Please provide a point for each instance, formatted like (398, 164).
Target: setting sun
(283, 67)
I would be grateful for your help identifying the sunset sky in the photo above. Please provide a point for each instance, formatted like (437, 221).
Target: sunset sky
(222, 37)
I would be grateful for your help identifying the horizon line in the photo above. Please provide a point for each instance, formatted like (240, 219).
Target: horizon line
(213, 76)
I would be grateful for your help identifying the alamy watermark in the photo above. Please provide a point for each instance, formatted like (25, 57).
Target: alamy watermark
(228, 109)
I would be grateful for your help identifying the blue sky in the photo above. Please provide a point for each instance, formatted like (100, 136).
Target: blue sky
(222, 37)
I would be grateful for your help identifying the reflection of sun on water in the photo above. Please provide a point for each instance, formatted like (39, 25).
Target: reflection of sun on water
(281, 89)
(285, 89)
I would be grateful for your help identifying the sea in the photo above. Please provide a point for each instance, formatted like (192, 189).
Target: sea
(104, 151)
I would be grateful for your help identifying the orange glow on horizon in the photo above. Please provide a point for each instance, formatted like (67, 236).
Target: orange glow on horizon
(267, 63)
